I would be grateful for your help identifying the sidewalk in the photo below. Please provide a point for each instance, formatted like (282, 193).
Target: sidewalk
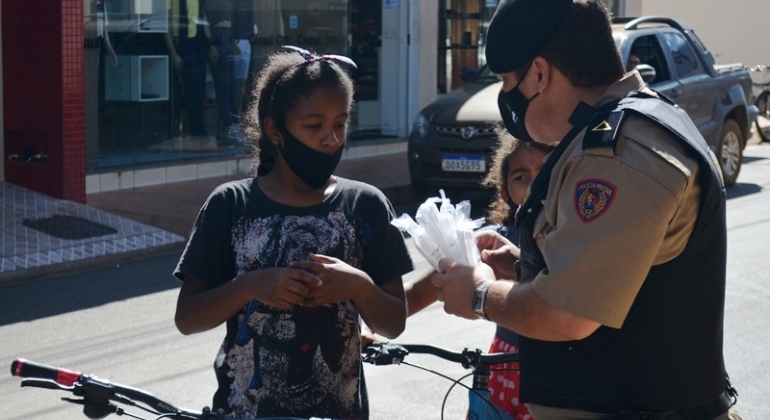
(45, 236)
(173, 207)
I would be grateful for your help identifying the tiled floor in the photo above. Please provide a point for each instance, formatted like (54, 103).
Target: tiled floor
(27, 249)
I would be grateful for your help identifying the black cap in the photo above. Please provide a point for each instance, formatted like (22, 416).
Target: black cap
(520, 29)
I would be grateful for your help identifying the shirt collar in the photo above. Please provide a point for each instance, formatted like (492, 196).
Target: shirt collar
(630, 82)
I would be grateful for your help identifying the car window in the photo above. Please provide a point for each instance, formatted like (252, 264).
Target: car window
(685, 61)
(647, 50)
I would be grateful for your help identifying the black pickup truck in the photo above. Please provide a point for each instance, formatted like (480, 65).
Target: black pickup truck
(452, 138)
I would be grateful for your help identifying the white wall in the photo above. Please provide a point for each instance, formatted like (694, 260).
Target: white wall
(423, 56)
(394, 68)
(734, 31)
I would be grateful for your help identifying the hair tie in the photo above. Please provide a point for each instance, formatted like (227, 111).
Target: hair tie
(309, 58)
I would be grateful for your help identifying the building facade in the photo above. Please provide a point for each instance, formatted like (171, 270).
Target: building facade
(108, 94)
(105, 87)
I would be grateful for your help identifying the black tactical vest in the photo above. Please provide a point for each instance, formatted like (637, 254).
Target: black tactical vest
(668, 354)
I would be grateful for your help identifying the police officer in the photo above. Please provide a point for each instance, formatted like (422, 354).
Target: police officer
(619, 296)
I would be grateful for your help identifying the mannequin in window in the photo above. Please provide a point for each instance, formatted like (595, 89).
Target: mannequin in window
(102, 33)
(244, 28)
(103, 47)
(219, 14)
(190, 47)
(268, 16)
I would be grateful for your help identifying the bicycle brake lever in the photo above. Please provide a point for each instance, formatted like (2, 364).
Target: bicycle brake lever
(46, 384)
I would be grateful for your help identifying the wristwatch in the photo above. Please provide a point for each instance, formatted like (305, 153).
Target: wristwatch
(480, 298)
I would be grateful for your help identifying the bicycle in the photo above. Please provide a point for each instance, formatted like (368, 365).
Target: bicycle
(479, 405)
(101, 397)
(761, 81)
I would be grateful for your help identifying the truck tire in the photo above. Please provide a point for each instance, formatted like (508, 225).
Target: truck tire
(763, 119)
(730, 151)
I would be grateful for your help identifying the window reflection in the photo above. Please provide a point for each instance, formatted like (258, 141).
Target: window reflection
(168, 80)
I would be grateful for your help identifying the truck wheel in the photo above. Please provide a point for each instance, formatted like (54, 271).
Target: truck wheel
(763, 119)
(730, 151)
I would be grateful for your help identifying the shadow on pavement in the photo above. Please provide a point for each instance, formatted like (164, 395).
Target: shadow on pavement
(749, 159)
(740, 190)
(51, 296)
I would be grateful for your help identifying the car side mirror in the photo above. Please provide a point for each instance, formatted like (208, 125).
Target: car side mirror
(467, 73)
(647, 71)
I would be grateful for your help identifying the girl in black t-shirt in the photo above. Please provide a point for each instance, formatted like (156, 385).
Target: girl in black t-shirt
(293, 258)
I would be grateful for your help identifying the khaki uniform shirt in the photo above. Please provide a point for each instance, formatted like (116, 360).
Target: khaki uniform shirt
(611, 215)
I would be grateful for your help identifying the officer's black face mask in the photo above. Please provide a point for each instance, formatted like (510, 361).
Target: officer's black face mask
(313, 167)
(513, 108)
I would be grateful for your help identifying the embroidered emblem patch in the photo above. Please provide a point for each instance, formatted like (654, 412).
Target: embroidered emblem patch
(593, 197)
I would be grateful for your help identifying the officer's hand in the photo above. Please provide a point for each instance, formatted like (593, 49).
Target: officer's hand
(499, 253)
(457, 284)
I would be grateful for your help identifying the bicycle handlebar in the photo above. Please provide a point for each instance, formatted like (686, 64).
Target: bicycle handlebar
(97, 394)
(392, 353)
(27, 369)
(87, 386)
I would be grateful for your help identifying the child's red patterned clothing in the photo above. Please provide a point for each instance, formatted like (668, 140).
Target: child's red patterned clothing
(504, 383)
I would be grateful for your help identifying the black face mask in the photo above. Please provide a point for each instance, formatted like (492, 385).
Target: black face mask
(311, 166)
(513, 108)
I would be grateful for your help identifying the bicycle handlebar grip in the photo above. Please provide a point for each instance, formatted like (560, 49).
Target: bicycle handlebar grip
(27, 369)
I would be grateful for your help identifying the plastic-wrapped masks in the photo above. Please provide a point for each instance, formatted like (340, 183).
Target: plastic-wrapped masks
(441, 232)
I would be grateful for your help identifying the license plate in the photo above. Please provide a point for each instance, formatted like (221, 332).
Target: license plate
(460, 163)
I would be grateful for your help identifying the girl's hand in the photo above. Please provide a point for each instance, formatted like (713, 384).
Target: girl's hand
(281, 287)
(499, 253)
(339, 281)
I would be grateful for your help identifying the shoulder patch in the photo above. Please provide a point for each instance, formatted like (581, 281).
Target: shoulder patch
(603, 129)
(593, 198)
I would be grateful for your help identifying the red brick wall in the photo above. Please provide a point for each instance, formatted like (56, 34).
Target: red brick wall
(44, 95)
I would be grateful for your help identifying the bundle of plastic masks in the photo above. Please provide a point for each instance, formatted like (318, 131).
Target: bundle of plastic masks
(444, 231)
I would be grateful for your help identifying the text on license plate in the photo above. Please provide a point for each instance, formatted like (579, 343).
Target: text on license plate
(460, 163)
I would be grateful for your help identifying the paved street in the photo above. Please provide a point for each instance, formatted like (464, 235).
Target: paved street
(117, 323)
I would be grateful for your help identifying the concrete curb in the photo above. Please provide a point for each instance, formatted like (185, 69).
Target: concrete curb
(73, 267)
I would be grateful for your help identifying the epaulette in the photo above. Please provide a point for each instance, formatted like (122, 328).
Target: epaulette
(603, 129)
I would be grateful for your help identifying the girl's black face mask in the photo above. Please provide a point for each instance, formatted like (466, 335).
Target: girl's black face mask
(513, 108)
(313, 167)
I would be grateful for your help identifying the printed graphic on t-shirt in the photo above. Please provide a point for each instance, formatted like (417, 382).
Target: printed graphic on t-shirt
(305, 361)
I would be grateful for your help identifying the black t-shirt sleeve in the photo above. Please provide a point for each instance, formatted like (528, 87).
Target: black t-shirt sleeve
(385, 256)
(209, 254)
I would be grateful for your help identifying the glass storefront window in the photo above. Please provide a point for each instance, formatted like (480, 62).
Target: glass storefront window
(462, 28)
(167, 80)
